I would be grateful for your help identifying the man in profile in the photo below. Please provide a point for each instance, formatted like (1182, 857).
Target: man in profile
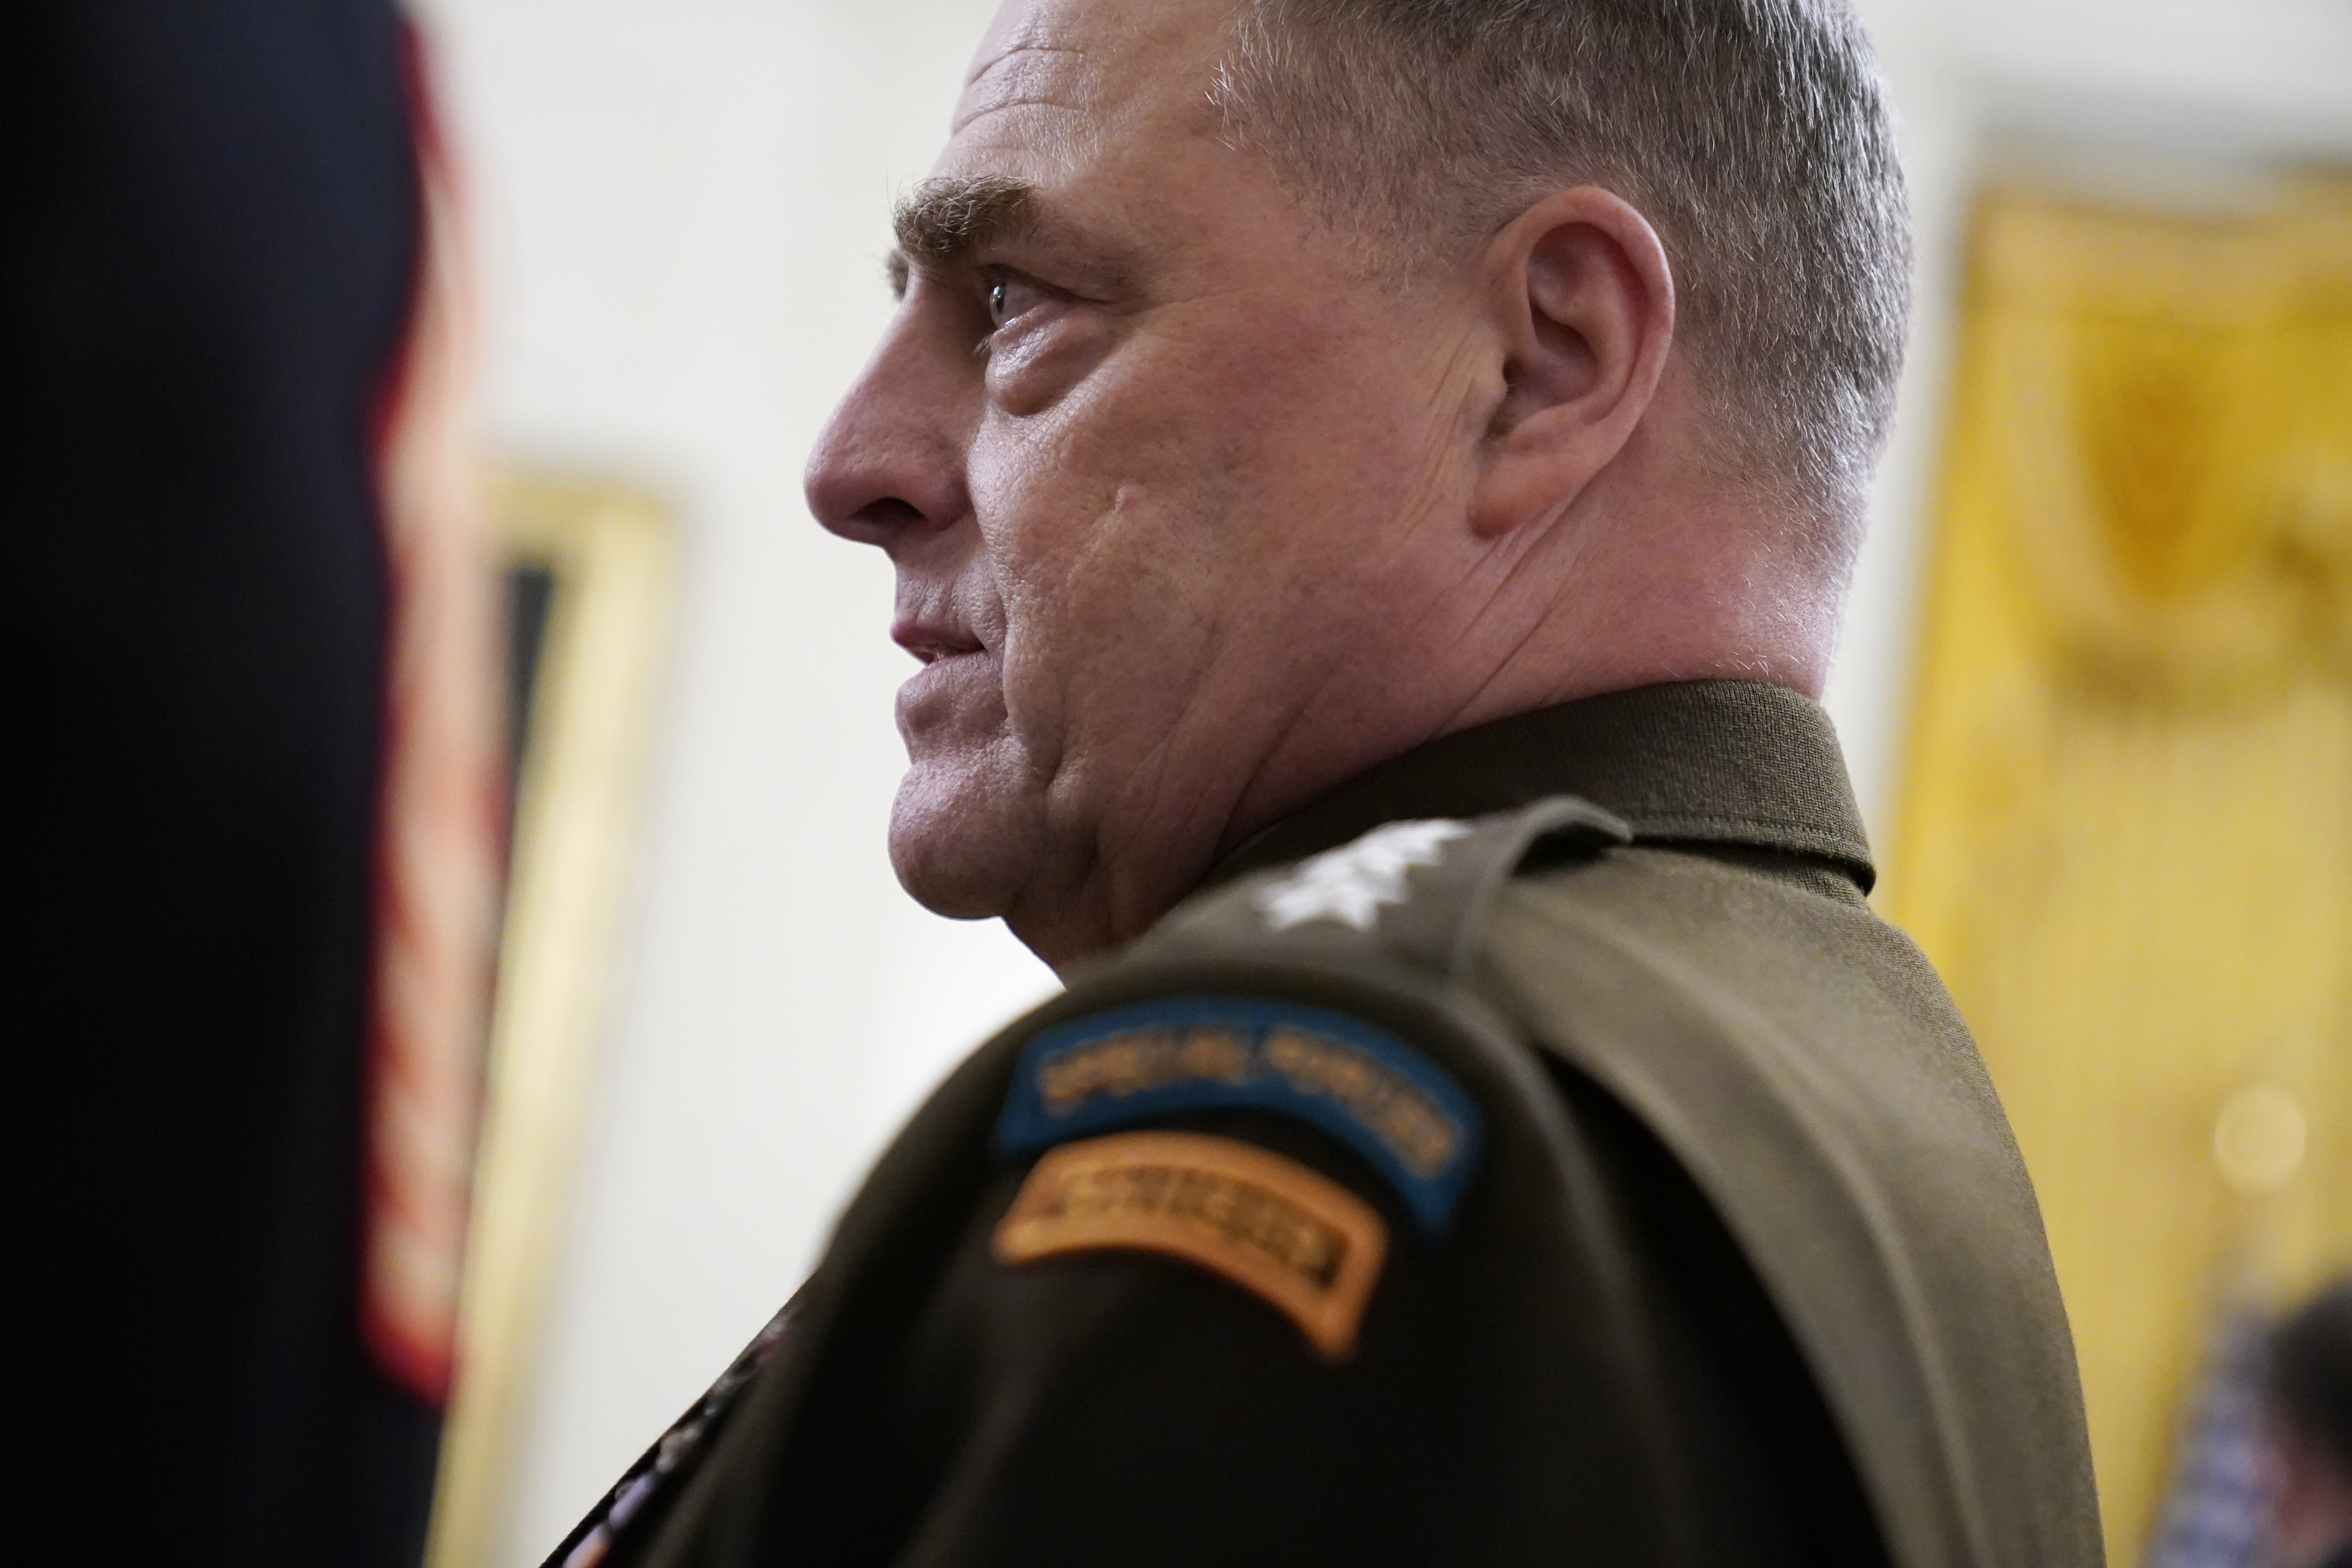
(1371, 484)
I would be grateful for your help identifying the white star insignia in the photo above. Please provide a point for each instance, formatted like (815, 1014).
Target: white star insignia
(1350, 884)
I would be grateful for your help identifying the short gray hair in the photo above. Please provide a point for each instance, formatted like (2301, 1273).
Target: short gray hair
(1753, 134)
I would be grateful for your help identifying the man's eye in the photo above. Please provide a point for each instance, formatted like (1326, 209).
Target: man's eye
(1008, 297)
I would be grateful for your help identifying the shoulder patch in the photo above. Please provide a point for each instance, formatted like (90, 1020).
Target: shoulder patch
(1360, 1084)
(1290, 1235)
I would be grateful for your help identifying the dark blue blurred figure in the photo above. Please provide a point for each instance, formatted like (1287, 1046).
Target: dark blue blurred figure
(211, 220)
(2310, 1389)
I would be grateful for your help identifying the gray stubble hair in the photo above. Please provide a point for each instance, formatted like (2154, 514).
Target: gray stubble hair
(1753, 134)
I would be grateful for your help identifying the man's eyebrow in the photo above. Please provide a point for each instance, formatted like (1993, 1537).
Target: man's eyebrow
(946, 217)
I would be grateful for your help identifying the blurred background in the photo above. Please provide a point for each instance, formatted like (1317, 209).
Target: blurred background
(2095, 688)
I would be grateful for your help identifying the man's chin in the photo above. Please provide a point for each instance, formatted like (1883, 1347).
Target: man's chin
(964, 845)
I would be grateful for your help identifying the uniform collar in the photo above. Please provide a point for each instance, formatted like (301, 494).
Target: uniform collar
(1731, 762)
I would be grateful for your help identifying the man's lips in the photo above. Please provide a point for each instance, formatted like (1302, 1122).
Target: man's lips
(932, 641)
(956, 693)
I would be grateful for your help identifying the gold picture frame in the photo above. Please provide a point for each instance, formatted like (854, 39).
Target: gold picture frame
(590, 579)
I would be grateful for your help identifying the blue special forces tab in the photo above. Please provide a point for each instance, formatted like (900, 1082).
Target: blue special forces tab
(1362, 1085)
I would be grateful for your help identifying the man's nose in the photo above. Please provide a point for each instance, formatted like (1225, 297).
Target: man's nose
(890, 462)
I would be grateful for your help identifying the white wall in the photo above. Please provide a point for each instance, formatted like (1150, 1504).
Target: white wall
(684, 206)
(684, 209)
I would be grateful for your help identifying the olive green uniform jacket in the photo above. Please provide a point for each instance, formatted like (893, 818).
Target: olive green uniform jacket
(1534, 1151)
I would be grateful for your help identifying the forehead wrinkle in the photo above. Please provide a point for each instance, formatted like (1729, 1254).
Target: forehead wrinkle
(951, 214)
(1012, 53)
(1034, 67)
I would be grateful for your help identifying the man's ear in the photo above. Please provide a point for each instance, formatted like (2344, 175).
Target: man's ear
(1585, 301)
